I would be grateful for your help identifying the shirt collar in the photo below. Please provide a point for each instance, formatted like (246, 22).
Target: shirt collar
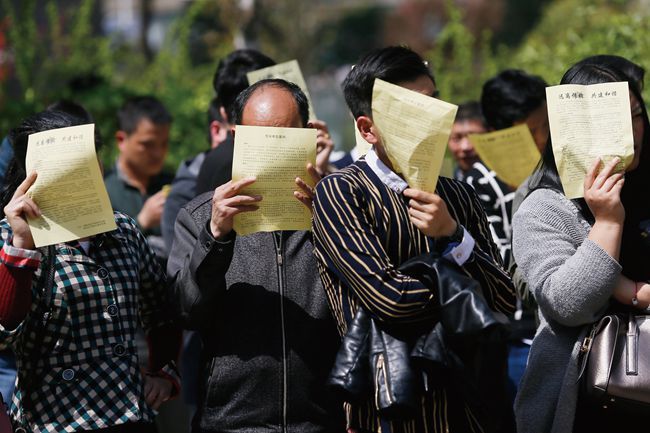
(385, 174)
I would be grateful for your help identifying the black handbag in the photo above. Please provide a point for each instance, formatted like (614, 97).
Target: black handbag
(615, 364)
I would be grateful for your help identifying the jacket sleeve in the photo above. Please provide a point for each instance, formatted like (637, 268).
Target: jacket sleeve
(571, 283)
(485, 265)
(197, 269)
(347, 244)
(17, 288)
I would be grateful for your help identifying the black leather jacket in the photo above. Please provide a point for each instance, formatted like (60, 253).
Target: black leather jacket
(399, 363)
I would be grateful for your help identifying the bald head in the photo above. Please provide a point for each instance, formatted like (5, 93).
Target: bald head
(272, 103)
(271, 106)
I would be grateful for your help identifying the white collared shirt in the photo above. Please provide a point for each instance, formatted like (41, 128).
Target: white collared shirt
(458, 253)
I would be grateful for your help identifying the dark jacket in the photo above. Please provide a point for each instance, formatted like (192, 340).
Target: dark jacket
(269, 337)
(182, 191)
(217, 167)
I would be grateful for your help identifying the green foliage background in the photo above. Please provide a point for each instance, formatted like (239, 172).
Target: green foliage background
(49, 58)
(568, 31)
(49, 64)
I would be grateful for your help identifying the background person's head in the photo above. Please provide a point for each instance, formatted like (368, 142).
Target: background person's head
(230, 77)
(396, 65)
(514, 97)
(143, 136)
(469, 120)
(272, 102)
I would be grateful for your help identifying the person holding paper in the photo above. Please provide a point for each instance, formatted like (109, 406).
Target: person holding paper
(135, 184)
(510, 98)
(256, 300)
(469, 120)
(580, 258)
(367, 222)
(77, 365)
(229, 80)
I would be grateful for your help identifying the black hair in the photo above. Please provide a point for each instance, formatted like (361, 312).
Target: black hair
(636, 182)
(510, 97)
(391, 64)
(301, 100)
(470, 110)
(142, 107)
(230, 77)
(19, 136)
(73, 108)
(630, 69)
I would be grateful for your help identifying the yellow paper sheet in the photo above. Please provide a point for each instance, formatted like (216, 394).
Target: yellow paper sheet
(587, 122)
(510, 152)
(448, 166)
(415, 130)
(275, 156)
(288, 71)
(362, 145)
(69, 189)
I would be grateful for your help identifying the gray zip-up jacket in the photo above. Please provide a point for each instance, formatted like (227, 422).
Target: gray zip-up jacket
(269, 337)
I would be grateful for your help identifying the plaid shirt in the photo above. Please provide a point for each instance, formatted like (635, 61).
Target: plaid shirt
(82, 373)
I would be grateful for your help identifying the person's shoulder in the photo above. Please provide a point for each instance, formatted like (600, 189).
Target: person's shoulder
(111, 176)
(543, 198)
(200, 207)
(351, 176)
(454, 186)
(126, 226)
(548, 205)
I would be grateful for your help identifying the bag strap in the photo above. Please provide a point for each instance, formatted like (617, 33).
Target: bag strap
(631, 347)
(585, 348)
(47, 282)
(47, 279)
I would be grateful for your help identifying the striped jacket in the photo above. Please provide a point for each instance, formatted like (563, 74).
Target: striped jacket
(362, 233)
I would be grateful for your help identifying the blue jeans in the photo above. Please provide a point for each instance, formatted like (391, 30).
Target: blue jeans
(517, 358)
(7, 375)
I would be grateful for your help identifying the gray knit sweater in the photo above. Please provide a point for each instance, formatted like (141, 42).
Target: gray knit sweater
(572, 280)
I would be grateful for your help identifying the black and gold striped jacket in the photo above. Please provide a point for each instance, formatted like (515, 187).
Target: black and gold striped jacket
(362, 233)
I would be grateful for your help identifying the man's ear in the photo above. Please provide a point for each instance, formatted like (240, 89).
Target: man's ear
(224, 115)
(367, 129)
(120, 138)
(218, 133)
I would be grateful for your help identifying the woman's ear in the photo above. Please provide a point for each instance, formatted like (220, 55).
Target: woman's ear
(367, 129)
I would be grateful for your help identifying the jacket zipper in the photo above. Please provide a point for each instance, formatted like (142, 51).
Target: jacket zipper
(277, 239)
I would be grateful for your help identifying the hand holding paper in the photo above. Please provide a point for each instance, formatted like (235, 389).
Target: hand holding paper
(18, 210)
(227, 201)
(275, 157)
(69, 189)
(414, 130)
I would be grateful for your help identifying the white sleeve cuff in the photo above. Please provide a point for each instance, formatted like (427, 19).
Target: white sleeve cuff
(462, 252)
